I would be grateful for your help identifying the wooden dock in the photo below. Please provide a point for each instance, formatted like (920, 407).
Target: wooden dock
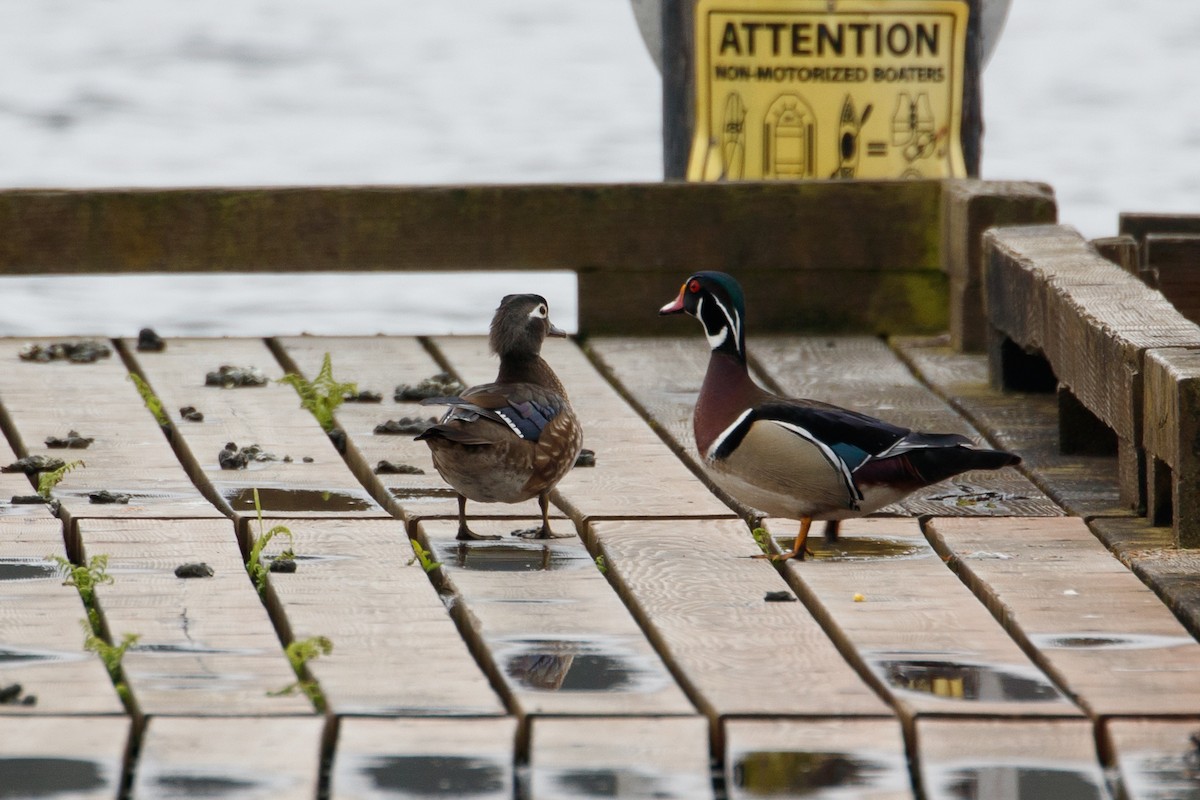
(1000, 635)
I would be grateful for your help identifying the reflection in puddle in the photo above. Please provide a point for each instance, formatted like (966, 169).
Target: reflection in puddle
(26, 569)
(294, 500)
(960, 681)
(1018, 782)
(564, 665)
(627, 782)
(1159, 776)
(865, 548)
(1108, 641)
(792, 774)
(52, 777)
(510, 556)
(429, 776)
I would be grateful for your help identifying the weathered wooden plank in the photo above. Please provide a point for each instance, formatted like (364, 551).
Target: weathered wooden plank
(637, 757)
(356, 583)
(930, 645)
(129, 453)
(1048, 290)
(69, 757)
(16, 484)
(709, 607)
(247, 757)
(381, 364)
(633, 236)
(1098, 630)
(790, 758)
(307, 476)
(41, 641)
(635, 475)
(1156, 759)
(865, 375)
(970, 207)
(206, 646)
(1139, 225)
(557, 638)
(1170, 435)
(1008, 758)
(377, 759)
(1025, 423)
(1121, 250)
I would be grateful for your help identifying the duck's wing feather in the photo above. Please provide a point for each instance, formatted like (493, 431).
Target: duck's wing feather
(523, 408)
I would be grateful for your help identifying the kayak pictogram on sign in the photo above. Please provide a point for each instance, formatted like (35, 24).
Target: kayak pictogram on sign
(796, 89)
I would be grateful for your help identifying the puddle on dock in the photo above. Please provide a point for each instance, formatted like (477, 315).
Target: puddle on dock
(299, 500)
(576, 665)
(1107, 641)
(952, 680)
(27, 569)
(863, 548)
(1161, 775)
(620, 782)
(802, 774)
(502, 556)
(424, 776)
(184, 785)
(21, 657)
(1016, 781)
(967, 496)
(29, 777)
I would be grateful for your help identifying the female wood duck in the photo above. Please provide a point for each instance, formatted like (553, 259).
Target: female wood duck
(515, 438)
(797, 458)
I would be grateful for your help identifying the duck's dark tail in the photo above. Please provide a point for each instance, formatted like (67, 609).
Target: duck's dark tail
(935, 464)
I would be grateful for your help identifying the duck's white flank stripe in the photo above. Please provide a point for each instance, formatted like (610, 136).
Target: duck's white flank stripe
(830, 456)
(716, 445)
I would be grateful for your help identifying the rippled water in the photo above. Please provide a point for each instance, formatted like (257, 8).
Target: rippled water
(1096, 97)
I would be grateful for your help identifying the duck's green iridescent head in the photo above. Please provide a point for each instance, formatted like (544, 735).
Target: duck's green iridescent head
(717, 301)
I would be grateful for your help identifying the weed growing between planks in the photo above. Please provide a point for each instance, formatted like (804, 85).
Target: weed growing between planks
(48, 480)
(151, 400)
(85, 578)
(322, 395)
(424, 556)
(254, 564)
(299, 653)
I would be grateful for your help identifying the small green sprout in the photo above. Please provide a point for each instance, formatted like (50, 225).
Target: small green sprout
(84, 577)
(424, 556)
(762, 537)
(48, 480)
(151, 400)
(323, 394)
(254, 564)
(110, 654)
(601, 565)
(299, 653)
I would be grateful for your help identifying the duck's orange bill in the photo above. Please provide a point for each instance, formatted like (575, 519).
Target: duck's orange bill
(676, 305)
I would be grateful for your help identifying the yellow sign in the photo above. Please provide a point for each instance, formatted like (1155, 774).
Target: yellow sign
(789, 89)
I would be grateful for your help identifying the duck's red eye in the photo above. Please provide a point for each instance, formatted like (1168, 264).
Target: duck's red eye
(694, 286)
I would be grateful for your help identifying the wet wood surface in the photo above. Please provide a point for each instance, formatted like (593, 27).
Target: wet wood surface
(395, 650)
(659, 757)
(1155, 758)
(129, 454)
(622, 658)
(205, 645)
(45, 668)
(63, 756)
(258, 758)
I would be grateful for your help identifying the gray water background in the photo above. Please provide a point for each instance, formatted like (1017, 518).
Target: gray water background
(1096, 97)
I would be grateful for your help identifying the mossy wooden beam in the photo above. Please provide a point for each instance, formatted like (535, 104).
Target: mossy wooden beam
(847, 255)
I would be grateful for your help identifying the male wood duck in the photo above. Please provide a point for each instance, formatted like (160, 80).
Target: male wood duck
(797, 458)
(514, 438)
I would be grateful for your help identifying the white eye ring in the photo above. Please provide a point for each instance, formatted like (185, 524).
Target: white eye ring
(540, 312)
